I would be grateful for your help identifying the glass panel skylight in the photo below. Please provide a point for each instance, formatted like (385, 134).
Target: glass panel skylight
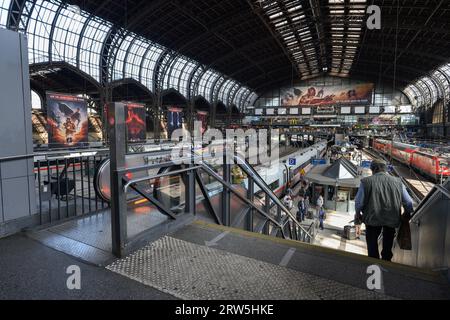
(289, 21)
(346, 29)
(4, 9)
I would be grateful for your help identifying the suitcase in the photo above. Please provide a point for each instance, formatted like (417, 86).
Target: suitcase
(350, 232)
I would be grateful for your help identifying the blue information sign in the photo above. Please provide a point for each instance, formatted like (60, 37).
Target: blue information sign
(292, 162)
(366, 164)
(319, 162)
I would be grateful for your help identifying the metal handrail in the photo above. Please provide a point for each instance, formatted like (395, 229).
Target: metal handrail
(230, 187)
(155, 176)
(14, 158)
(420, 211)
(261, 183)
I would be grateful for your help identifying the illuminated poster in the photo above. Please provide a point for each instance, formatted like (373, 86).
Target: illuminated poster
(174, 119)
(203, 118)
(324, 96)
(67, 121)
(136, 122)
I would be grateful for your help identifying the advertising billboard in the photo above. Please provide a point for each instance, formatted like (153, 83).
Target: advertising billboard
(174, 120)
(67, 120)
(203, 118)
(326, 96)
(135, 116)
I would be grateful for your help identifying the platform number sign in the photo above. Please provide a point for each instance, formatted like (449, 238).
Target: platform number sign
(292, 162)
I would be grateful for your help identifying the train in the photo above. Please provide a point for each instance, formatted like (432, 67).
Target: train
(434, 166)
(287, 172)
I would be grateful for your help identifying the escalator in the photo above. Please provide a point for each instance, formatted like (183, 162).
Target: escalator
(430, 232)
(165, 185)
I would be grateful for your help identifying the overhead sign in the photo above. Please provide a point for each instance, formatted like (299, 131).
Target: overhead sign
(327, 95)
(366, 164)
(319, 162)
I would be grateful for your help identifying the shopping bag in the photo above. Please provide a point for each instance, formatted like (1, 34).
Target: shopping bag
(404, 233)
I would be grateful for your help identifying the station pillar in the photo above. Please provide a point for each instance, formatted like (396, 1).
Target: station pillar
(117, 134)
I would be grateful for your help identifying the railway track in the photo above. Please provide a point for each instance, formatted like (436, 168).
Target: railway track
(418, 185)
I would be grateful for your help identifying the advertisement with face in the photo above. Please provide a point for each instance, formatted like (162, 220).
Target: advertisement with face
(326, 96)
(136, 122)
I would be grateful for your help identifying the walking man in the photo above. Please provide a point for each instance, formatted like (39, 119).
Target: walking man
(378, 205)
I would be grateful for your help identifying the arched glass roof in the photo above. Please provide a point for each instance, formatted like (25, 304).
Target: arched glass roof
(59, 32)
(430, 88)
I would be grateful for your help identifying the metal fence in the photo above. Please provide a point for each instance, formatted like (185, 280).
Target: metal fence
(64, 185)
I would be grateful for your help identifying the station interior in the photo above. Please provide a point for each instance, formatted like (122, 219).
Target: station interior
(215, 150)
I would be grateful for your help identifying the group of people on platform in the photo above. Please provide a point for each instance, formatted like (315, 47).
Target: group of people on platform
(304, 203)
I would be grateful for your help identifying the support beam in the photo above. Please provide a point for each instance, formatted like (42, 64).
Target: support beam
(117, 134)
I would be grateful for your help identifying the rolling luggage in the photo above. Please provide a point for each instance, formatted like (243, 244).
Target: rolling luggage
(350, 232)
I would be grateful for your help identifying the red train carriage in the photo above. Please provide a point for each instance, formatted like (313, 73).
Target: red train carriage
(382, 146)
(431, 165)
(403, 152)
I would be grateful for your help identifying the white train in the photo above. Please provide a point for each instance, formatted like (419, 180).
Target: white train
(279, 174)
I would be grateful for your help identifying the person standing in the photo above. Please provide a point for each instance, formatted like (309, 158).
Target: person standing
(321, 218)
(301, 209)
(378, 205)
(320, 211)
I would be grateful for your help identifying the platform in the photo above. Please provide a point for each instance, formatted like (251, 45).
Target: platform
(203, 261)
(89, 238)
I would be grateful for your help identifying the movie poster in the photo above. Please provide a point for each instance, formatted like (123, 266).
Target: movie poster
(203, 118)
(174, 120)
(135, 116)
(326, 96)
(67, 118)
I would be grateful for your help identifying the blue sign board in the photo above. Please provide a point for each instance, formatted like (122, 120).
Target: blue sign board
(292, 162)
(319, 162)
(366, 164)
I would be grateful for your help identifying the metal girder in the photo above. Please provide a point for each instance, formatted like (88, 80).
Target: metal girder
(80, 40)
(211, 30)
(191, 15)
(194, 83)
(207, 200)
(52, 31)
(142, 13)
(436, 8)
(274, 35)
(109, 52)
(249, 45)
(19, 15)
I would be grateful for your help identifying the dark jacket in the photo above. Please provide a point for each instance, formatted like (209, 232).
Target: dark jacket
(382, 200)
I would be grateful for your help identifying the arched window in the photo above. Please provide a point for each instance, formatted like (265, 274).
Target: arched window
(36, 101)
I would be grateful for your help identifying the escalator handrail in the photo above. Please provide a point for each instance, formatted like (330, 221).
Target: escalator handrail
(211, 172)
(263, 185)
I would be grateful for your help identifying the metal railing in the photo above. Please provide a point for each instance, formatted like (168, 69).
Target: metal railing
(64, 187)
(283, 223)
